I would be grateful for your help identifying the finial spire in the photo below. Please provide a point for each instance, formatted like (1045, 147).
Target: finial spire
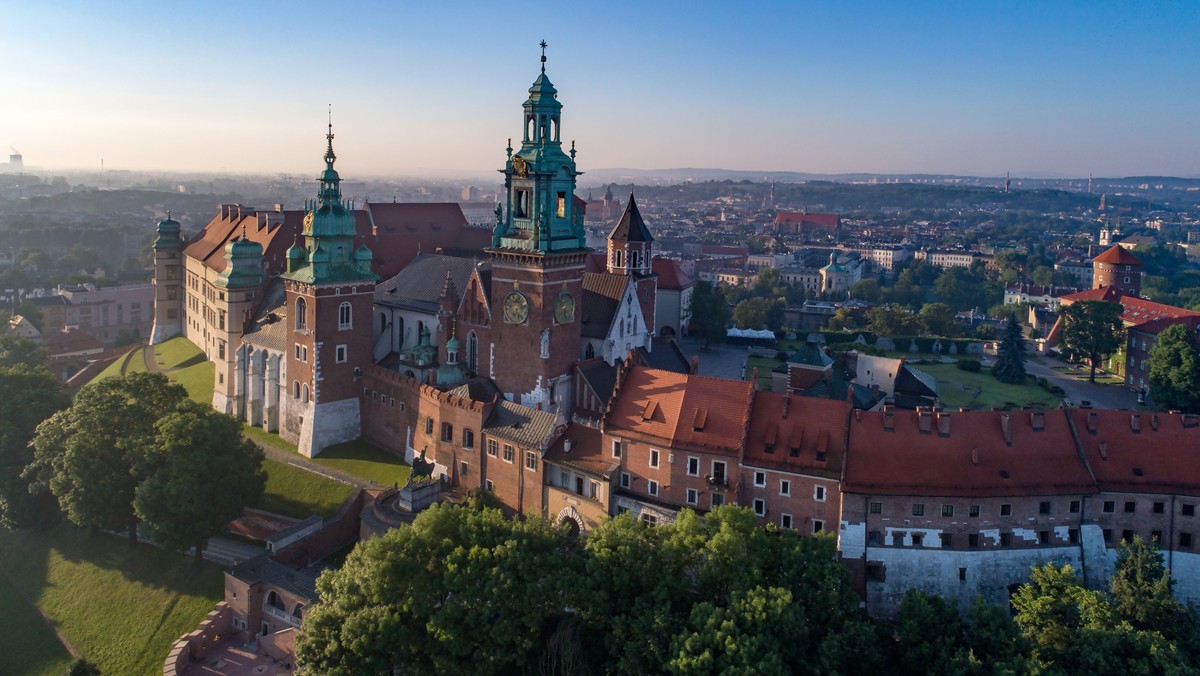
(543, 45)
(330, 158)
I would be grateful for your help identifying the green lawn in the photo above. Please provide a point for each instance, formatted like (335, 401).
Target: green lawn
(130, 362)
(298, 493)
(184, 363)
(1081, 373)
(764, 366)
(980, 391)
(121, 608)
(27, 646)
(366, 461)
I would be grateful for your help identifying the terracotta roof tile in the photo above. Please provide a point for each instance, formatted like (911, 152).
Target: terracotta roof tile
(689, 411)
(670, 274)
(1118, 255)
(797, 434)
(974, 453)
(1140, 452)
(828, 220)
(586, 452)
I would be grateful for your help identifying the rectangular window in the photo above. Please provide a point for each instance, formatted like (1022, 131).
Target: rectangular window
(760, 479)
(489, 486)
(918, 509)
(818, 525)
(654, 458)
(624, 479)
(717, 499)
(1074, 506)
(595, 490)
(973, 541)
(509, 453)
(1108, 534)
(1130, 507)
(785, 487)
(760, 506)
(561, 210)
(1043, 508)
(531, 460)
(650, 519)
(652, 487)
(946, 540)
(616, 448)
(340, 354)
(1006, 510)
(692, 497)
(468, 439)
(1043, 537)
(1185, 540)
(429, 426)
(718, 471)
(1156, 536)
(693, 466)
(1159, 507)
(785, 520)
(918, 539)
(875, 508)
(1187, 509)
(1127, 536)
(1006, 539)
(1073, 535)
(948, 510)
(521, 202)
(819, 493)
(1110, 506)
(492, 447)
(447, 432)
(462, 468)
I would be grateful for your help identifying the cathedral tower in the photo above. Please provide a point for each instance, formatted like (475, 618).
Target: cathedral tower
(537, 257)
(329, 287)
(168, 282)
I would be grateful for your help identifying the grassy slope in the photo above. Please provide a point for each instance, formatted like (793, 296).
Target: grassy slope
(298, 493)
(981, 391)
(27, 646)
(185, 364)
(121, 608)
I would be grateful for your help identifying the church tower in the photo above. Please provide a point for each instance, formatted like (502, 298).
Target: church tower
(329, 287)
(631, 253)
(168, 282)
(537, 257)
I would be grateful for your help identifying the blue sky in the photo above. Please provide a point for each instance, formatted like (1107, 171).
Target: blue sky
(976, 87)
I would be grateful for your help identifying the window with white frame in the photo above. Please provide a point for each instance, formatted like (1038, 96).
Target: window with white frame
(345, 317)
(652, 487)
(785, 487)
(693, 466)
(340, 354)
(717, 499)
(492, 447)
(489, 486)
(624, 479)
(692, 496)
(509, 453)
(819, 493)
(785, 520)
(760, 479)
(760, 506)
(654, 458)
(531, 460)
(818, 525)
(616, 448)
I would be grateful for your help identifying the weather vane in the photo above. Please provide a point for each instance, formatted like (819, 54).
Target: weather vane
(543, 45)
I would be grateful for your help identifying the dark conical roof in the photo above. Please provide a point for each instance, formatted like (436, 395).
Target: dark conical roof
(631, 227)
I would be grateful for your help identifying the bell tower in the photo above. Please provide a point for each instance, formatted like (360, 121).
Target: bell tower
(537, 257)
(330, 287)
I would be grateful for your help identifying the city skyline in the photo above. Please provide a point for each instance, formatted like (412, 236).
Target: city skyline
(868, 87)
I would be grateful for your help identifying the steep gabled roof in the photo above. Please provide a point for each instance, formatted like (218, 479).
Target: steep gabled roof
(682, 411)
(602, 294)
(670, 274)
(630, 227)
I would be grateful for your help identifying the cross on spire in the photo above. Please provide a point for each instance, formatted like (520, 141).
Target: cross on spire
(329, 156)
(543, 45)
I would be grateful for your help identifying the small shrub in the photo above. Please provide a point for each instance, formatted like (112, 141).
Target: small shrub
(969, 365)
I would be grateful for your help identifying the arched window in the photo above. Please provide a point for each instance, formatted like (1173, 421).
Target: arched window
(589, 351)
(297, 609)
(472, 352)
(295, 389)
(617, 258)
(273, 600)
(345, 317)
(304, 393)
(301, 314)
(635, 259)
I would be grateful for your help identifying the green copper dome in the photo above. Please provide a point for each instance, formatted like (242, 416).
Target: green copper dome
(168, 234)
(243, 264)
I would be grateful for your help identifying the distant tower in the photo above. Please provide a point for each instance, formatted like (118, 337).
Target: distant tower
(15, 161)
(168, 280)
(1089, 184)
(630, 244)
(1103, 199)
(1007, 181)
(330, 287)
(1118, 268)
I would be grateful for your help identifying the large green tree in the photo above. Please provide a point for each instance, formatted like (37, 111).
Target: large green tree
(1175, 369)
(939, 320)
(183, 506)
(28, 395)
(710, 312)
(92, 456)
(1010, 358)
(1092, 329)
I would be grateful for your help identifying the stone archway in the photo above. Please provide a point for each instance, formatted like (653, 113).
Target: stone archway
(573, 519)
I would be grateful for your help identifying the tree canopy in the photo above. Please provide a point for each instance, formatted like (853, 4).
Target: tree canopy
(1174, 368)
(1092, 330)
(29, 394)
(710, 312)
(1010, 358)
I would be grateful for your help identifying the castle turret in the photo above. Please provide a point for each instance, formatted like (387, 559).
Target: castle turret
(240, 280)
(168, 281)
(630, 244)
(1118, 268)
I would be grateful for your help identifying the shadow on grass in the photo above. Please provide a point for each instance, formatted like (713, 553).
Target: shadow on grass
(191, 361)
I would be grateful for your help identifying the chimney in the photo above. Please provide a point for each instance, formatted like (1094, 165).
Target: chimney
(1135, 423)
(1037, 420)
(1154, 421)
(889, 419)
(943, 420)
(925, 420)
(1006, 427)
(1103, 446)
(787, 399)
(1091, 422)
(974, 455)
(567, 446)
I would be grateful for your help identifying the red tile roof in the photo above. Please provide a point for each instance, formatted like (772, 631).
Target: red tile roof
(670, 274)
(1118, 255)
(791, 433)
(586, 452)
(1137, 311)
(1140, 452)
(963, 454)
(828, 220)
(682, 411)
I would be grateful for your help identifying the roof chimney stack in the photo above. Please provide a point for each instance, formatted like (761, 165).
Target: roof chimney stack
(1006, 427)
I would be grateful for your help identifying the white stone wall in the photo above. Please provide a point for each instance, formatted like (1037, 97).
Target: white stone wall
(330, 423)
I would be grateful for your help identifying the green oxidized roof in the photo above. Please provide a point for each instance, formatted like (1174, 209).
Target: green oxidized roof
(243, 264)
(168, 234)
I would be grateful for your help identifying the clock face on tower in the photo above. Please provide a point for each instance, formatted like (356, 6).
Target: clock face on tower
(564, 308)
(516, 308)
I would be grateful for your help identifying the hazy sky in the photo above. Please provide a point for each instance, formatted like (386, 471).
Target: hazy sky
(978, 87)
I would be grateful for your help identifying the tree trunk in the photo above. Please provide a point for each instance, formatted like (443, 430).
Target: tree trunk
(133, 533)
(1092, 376)
(200, 551)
